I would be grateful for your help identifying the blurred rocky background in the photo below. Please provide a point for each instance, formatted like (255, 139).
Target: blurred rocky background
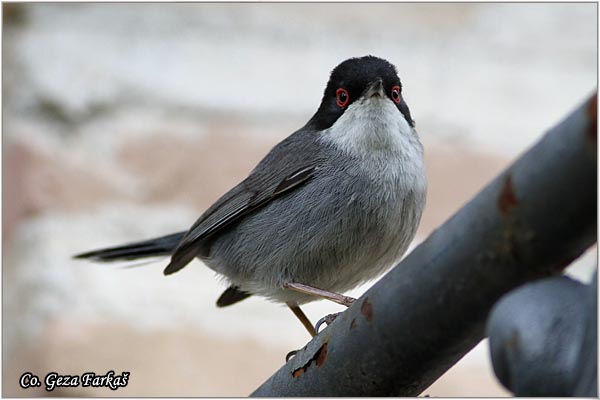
(125, 121)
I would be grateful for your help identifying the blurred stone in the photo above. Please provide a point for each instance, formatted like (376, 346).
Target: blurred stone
(193, 171)
(35, 181)
(15, 203)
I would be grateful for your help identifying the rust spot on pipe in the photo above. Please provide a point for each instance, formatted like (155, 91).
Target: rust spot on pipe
(592, 112)
(507, 198)
(367, 310)
(321, 355)
(513, 342)
(318, 358)
(353, 323)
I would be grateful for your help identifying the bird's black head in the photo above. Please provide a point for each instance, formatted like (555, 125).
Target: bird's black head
(351, 80)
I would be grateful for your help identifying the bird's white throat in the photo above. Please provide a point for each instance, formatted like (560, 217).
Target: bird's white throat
(371, 127)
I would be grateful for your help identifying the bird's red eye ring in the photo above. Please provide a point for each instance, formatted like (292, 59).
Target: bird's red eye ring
(396, 94)
(342, 97)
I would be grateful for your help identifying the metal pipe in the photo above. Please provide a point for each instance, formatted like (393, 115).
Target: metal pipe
(430, 310)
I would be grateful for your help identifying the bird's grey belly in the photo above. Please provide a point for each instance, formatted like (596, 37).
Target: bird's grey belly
(334, 233)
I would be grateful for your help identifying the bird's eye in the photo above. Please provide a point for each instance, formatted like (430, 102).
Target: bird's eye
(396, 94)
(342, 97)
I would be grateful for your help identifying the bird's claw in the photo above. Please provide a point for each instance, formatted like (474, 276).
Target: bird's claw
(328, 319)
(290, 355)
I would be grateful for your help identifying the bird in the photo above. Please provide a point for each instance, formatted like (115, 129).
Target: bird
(332, 206)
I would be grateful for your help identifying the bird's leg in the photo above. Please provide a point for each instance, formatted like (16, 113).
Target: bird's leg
(324, 294)
(304, 319)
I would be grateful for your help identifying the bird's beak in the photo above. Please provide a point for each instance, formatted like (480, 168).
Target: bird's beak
(375, 89)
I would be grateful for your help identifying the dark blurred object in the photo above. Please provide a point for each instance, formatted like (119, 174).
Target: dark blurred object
(587, 372)
(543, 338)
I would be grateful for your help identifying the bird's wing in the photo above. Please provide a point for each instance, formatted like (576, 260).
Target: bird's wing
(287, 166)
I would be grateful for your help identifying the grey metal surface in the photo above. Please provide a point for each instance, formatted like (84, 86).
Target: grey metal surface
(430, 310)
(536, 333)
(586, 382)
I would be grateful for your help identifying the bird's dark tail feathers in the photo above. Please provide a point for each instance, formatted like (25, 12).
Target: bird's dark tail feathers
(162, 246)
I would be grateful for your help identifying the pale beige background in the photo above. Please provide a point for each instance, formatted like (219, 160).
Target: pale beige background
(125, 121)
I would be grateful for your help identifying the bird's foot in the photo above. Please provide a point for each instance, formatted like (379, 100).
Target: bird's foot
(328, 319)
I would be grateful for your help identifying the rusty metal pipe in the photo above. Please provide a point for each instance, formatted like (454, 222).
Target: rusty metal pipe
(429, 311)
